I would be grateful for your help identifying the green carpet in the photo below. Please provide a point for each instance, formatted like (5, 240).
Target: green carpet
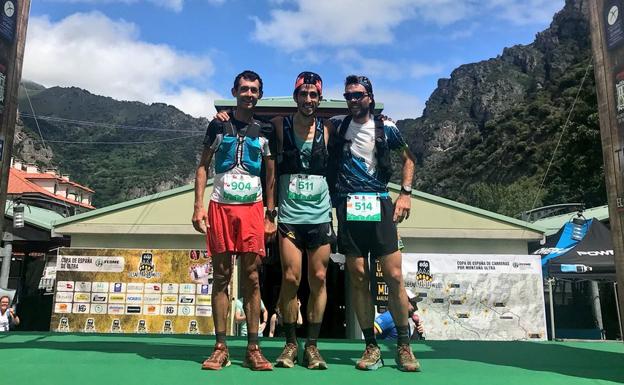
(47, 358)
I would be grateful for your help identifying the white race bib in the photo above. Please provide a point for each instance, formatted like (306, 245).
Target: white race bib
(303, 187)
(363, 207)
(241, 188)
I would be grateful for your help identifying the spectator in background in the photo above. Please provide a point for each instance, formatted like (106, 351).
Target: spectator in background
(8, 318)
(276, 323)
(241, 320)
(386, 329)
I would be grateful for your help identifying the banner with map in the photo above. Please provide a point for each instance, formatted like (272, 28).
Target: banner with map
(133, 291)
(475, 296)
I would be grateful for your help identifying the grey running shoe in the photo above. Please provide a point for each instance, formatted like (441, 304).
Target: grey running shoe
(405, 359)
(312, 358)
(371, 359)
(288, 358)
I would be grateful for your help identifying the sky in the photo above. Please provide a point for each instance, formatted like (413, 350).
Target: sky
(187, 52)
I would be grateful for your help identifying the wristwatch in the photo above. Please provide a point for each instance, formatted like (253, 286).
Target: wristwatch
(407, 190)
(271, 214)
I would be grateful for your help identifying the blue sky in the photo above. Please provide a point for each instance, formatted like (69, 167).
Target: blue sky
(187, 52)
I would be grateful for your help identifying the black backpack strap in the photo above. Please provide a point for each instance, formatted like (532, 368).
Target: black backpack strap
(342, 131)
(253, 129)
(380, 132)
(229, 128)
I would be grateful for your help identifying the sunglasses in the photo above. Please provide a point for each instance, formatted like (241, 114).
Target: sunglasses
(358, 95)
(310, 77)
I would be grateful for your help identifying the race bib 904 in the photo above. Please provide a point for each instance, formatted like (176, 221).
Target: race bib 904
(241, 188)
(304, 187)
(363, 207)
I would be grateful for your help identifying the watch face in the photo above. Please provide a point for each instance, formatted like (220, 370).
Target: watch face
(612, 16)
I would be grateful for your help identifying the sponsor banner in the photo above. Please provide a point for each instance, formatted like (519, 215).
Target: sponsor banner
(187, 288)
(83, 286)
(153, 288)
(99, 297)
(116, 298)
(476, 297)
(185, 310)
(97, 308)
(95, 264)
(151, 299)
(116, 309)
(117, 287)
(169, 299)
(151, 309)
(63, 296)
(204, 289)
(134, 298)
(99, 287)
(170, 288)
(82, 297)
(64, 285)
(203, 311)
(187, 299)
(169, 310)
(133, 291)
(134, 287)
(81, 308)
(62, 307)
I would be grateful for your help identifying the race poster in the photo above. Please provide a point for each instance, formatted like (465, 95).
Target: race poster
(133, 291)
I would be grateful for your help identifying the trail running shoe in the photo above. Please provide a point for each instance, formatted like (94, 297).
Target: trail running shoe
(255, 360)
(371, 359)
(405, 359)
(312, 358)
(288, 358)
(219, 358)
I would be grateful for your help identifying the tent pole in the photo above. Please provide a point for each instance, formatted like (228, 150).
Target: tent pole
(552, 308)
(595, 293)
(617, 306)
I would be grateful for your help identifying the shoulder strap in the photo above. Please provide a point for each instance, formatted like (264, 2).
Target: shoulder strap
(229, 128)
(379, 128)
(342, 131)
(253, 129)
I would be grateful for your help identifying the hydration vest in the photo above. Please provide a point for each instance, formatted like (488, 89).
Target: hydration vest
(289, 156)
(340, 147)
(240, 150)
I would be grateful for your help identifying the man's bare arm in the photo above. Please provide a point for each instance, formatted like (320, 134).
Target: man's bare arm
(403, 204)
(200, 216)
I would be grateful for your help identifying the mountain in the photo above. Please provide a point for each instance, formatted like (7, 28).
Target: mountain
(486, 136)
(488, 132)
(120, 149)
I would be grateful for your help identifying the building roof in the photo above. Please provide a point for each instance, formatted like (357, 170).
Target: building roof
(169, 212)
(288, 102)
(60, 179)
(34, 216)
(551, 225)
(19, 183)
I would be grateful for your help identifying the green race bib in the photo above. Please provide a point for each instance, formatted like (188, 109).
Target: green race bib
(304, 187)
(363, 207)
(241, 188)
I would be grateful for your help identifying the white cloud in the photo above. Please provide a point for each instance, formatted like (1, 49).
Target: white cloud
(299, 24)
(353, 61)
(107, 57)
(174, 5)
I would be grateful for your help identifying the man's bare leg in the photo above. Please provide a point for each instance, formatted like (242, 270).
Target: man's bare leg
(290, 256)
(317, 271)
(222, 273)
(251, 302)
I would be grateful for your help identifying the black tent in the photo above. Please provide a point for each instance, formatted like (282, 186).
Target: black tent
(579, 251)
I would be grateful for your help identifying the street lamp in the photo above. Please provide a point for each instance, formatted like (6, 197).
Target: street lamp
(18, 216)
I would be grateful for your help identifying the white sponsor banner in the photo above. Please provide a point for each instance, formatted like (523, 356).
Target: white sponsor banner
(134, 298)
(185, 310)
(83, 286)
(116, 309)
(65, 286)
(153, 288)
(133, 287)
(203, 311)
(64, 296)
(478, 297)
(99, 287)
(169, 299)
(99, 297)
(204, 289)
(151, 309)
(169, 310)
(204, 300)
(151, 299)
(98, 308)
(116, 298)
(170, 288)
(90, 263)
(187, 288)
(117, 287)
(80, 308)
